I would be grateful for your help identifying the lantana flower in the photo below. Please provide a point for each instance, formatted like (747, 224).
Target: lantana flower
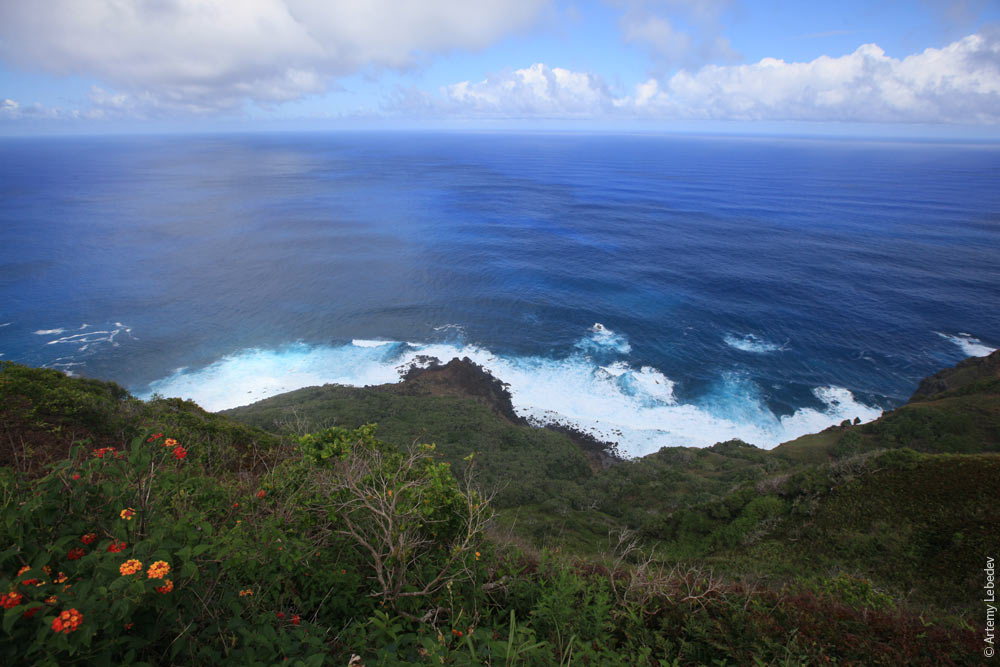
(158, 570)
(131, 566)
(180, 452)
(127, 513)
(10, 600)
(116, 546)
(68, 621)
(169, 442)
(167, 586)
(88, 538)
(76, 553)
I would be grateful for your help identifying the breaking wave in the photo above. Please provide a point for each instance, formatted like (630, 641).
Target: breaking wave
(612, 399)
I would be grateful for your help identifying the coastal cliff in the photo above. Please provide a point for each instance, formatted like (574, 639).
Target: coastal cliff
(875, 532)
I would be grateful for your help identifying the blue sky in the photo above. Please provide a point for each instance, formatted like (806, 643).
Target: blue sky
(915, 68)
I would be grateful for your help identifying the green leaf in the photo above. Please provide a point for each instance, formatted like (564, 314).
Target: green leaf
(10, 616)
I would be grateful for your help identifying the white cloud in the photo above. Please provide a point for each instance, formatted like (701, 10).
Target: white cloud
(538, 90)
(205, 55)
(677, 32)
(959, 83)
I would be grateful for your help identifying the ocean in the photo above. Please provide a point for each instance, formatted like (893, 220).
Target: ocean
(653, 290)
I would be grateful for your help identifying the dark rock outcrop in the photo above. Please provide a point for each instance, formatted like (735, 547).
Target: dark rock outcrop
(968, 372)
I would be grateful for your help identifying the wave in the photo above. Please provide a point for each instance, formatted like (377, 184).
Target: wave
(970, 345)
(751, 343)
(602, 340)
(359, 342)
(615, 401)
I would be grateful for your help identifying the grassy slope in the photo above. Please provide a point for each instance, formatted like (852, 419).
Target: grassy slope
(867, 547)
(803, 512)
(836, 510)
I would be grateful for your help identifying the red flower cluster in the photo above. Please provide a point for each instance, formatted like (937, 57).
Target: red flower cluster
(296, 619)
(261, 493)
(31, 582)
(76, 553)
(68, 621)
(10, 600)
(76, 476)
(280, 615)
(31, 612)
(104, 451)
(155, 437)
(167, 586)
(89, 538)
(116, 546)
(180, 452)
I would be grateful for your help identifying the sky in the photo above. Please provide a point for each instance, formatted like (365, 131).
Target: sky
(920, 68)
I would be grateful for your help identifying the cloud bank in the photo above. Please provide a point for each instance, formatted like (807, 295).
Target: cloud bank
(957, 84)
(211, 55)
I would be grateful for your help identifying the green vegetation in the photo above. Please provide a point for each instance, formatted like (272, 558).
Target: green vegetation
(304, 532)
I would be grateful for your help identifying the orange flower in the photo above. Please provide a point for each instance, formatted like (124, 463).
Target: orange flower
(169, 442)
(52, 599)
(167, 586)
(67, 621)
(246, 592)
(23, 570)
(261, 493)
(61, 578)
(127, 513)
(10, 600)
(131, 566)
(158, 570)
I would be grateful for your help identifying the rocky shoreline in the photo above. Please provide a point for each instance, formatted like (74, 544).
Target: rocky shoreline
(467, 379)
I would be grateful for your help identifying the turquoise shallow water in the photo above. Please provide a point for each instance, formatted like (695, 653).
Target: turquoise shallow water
(753, 288)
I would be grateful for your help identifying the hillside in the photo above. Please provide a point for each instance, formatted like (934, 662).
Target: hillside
(289, 529)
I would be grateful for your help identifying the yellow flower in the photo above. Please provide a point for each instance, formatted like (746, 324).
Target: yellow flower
(169, 442)
(127, 513)
(131, 566)
(158, 570)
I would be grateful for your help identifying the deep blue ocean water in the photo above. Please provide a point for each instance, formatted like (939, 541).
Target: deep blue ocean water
(657, 290)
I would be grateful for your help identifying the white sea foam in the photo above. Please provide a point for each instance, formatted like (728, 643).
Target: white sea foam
(635, 407)
(970, 345)
(751, 343)
(49, 332)
(5, 324)
(359, 342)
(603, 340)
